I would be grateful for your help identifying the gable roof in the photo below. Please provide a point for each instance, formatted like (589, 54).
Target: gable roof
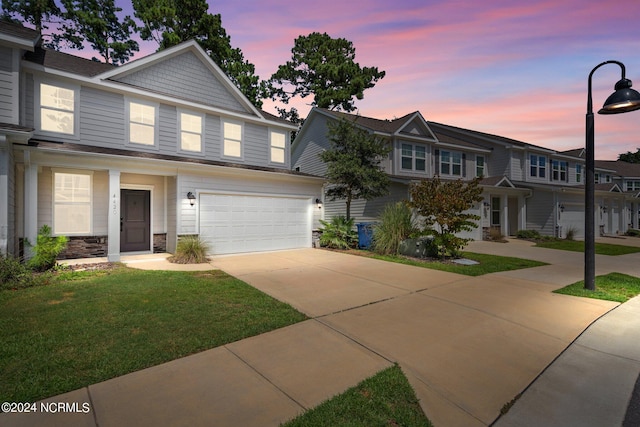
(65, 62)
(16, 35)
(624, 169)
(376, 125)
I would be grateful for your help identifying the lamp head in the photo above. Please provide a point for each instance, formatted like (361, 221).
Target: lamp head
(623, 100)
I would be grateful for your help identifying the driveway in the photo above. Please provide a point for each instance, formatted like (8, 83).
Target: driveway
(468, 345)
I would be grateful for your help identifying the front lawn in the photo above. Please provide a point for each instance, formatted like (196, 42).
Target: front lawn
(486, 263)
(386, 399)
(611, 287)
(578, 246)
(89, 327)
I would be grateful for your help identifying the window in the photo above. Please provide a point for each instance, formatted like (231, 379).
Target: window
(480, 166)
(414, 158)
(278, 143)
(450, 163)
(57, 109)
(232, 139)
(578, 173)
(633, 185)
(538, 166)
(142, 123)
(190, 132)
(71, 203)
(596, 178)
(559, 170)
(495, 211)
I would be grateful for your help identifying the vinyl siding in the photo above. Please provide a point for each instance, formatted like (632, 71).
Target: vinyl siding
(517, 167)
(201, 86)
(7, 103)
(363, 210)
(305, 152)
(500, 162)
(540, 212)
(102, 121)
(171, 214)
(7, 199)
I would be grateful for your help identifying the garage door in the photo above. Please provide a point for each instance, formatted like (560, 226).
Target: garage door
(572, 218)
(235, 223)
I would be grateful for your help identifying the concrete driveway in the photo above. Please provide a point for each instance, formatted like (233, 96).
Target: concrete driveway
(469, 345)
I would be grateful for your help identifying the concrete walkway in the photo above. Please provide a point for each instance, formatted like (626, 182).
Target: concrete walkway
(468, 345)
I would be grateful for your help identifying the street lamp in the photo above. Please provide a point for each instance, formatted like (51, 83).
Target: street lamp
(623, 100)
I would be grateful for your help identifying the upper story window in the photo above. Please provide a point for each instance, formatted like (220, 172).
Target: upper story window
(414, 158)
(538, 166)
(190, 132)
(450, 163)
(57, 109)
(71, 203)
(559, 170)
(578, 173)
(480, 166)
(277, 146)
(142, 123)
(633, 185)
(232, 139)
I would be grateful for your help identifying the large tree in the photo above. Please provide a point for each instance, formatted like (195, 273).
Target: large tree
(353, 164)
(325, 68)
(170, 22)
(630, 157)
(97, 22)
(443, 206)
(39, 13)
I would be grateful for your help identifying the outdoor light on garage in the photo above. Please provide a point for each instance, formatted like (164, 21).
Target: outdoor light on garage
(623, 100)
(319, 203)
(192, 198)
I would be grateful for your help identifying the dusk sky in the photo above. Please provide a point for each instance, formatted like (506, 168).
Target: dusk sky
(509, 67)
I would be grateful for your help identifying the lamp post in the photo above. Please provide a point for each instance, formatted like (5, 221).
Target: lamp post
(623, 100)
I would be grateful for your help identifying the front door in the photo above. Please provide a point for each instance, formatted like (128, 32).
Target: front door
(135, 224)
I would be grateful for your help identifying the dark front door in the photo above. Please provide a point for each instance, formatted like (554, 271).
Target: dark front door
(135, 224)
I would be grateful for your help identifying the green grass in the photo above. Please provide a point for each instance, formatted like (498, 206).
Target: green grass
(611, 287)
(89, 327)
(487, 263)
(386, 399)
(578, 246)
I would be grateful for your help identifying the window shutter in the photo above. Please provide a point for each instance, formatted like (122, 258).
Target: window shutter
(437, 162)
(464, 165)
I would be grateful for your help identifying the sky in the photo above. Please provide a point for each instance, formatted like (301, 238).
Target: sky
(513, 68)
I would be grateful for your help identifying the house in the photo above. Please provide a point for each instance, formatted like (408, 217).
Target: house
(127, 159)
(524, 186)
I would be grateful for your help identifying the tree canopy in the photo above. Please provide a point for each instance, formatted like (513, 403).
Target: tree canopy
(325, 68)
(170, 22)
(39, 13)
(630, 157)
(353, 164)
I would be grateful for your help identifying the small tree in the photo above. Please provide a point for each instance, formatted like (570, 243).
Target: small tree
(353, 164)
(442, 204)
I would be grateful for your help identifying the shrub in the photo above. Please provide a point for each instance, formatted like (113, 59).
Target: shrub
(571, 233)
(16, 275)
(633, 232)
(528, 234)
(46, 250)
(495, 235)
(338, 234)
(395, 225)
(190, 250)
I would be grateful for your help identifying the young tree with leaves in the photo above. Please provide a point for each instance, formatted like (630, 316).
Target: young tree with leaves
(97, 22)
(353, 164)
(325, 68)
(170, 22)
(630, 157)
(444, 206)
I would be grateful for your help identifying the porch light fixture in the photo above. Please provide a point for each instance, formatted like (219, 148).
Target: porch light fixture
(319, 203)
(192, 198)
(561, 208)
(623, 100)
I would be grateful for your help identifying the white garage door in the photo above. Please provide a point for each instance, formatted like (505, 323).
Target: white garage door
(572, 218)
(235, 223)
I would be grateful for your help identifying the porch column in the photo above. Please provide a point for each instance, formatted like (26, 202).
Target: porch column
(30, 203)
(4, 195)
(504, 223)
(113, 233)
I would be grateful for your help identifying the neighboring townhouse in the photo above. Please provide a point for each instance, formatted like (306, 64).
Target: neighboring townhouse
(127, 159)
(524, 186)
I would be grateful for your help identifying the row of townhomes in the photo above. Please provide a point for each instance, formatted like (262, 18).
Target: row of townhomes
(524, 186)
(127, 159)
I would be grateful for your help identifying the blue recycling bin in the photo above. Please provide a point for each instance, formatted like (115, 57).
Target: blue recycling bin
(365, 234)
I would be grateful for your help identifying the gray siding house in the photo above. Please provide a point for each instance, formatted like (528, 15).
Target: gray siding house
(524, 186)
(128, 159)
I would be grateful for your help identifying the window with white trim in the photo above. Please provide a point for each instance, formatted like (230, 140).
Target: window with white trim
(633, 186)
(480, 166)
(142, 123)
(578, 172)
(559, 170)
(190, 132)
(232, 139)
(57, 109)
(71, 203)
(277, 146)
(450, 163)
(414, 158)
(537, 166)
